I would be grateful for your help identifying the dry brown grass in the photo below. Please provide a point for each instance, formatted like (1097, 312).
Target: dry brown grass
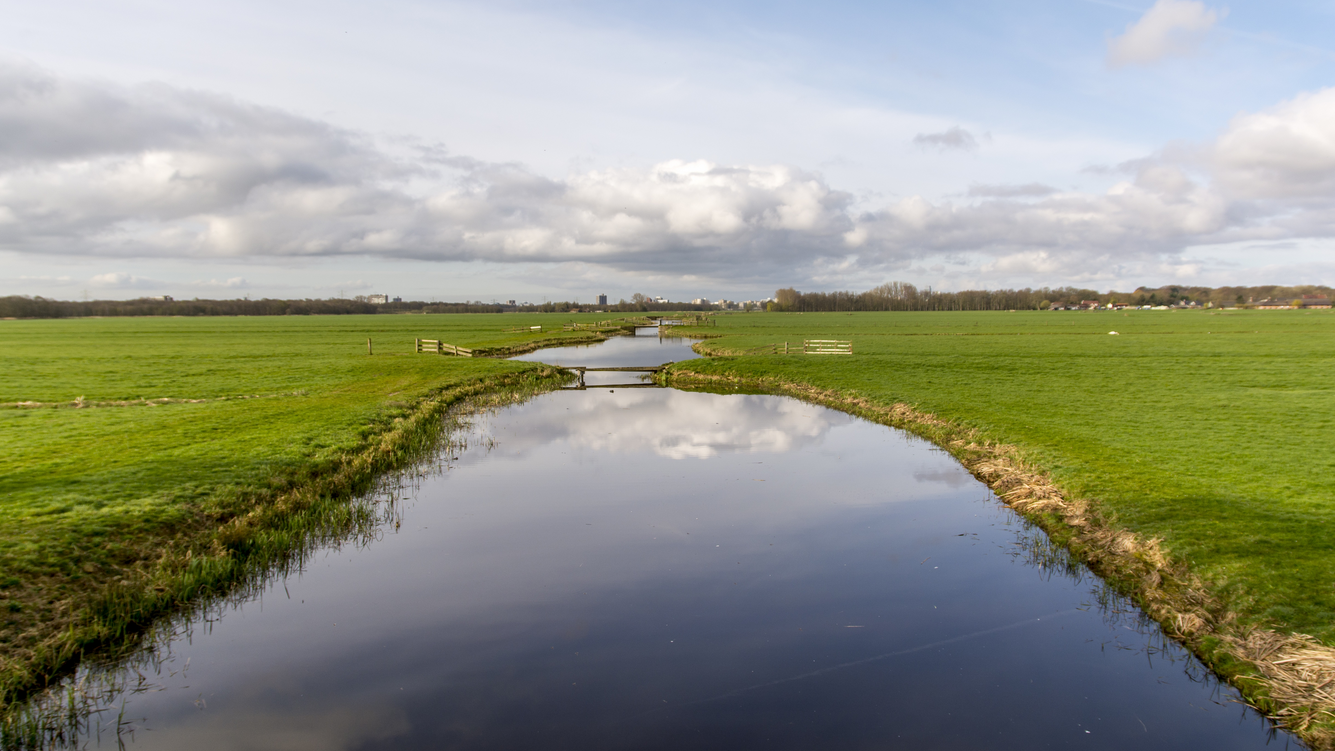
(1291, 677)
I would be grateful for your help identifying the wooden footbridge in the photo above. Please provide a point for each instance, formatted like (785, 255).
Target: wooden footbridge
(625, 369)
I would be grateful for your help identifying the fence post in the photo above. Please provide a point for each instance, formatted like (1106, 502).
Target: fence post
(368, 345)
(417, 345)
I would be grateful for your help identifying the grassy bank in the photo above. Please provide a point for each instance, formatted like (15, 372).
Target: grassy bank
(1207, 432)
(147, 462)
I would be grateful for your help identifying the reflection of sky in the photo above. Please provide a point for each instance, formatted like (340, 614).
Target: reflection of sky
(619, 351)
(672, 423)
(577, 584)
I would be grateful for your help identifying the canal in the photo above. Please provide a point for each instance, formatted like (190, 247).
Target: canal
(661, 569)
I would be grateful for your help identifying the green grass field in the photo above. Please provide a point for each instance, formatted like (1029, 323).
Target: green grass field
(91, 492)
(1208, 429)
(317, 392)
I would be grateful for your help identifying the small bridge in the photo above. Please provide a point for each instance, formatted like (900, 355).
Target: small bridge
(626, 369)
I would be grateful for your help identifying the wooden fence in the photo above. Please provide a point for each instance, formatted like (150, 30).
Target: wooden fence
(437, 347)
(599, 326)
(522, 329)
(690, 321)
(826, 347)
(809, 347)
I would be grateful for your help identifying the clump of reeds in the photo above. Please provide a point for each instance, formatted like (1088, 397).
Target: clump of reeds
(1298, 673)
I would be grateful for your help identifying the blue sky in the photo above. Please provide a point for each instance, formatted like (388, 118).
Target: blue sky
(566, 149)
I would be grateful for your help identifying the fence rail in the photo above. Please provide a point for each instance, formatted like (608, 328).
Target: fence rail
(522, 329)
(826, 347)
(437, 347)
(599, 326)
(690, 321)
(809, 347)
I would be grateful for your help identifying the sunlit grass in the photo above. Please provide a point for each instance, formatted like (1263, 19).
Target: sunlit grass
(133, 447)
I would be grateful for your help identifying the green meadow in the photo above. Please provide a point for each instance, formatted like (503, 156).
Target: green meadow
(123, 438)
(1207, 429)
(248, 397)
(1211, 430)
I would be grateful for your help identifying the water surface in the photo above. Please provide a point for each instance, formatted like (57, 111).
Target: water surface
(643, 349)
(663, 569)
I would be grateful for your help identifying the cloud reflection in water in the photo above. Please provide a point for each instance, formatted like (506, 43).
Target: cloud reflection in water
(673, 424)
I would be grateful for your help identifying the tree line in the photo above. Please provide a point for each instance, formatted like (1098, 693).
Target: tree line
(894, 296)
(905, 297)
(22, 306)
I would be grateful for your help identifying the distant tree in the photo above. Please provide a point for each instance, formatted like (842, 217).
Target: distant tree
(787, 299)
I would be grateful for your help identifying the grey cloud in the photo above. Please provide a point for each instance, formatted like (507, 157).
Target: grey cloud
(98, 169)
(1159, 212)
(1030, 190)
(1128, 167)
(953, 138)
(142, 171)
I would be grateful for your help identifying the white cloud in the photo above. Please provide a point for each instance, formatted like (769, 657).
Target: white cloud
(235, 282)
(122, 280)
(1171, 27)
(95, 169)
(1287, 151)
(679, 425)
(953, 138)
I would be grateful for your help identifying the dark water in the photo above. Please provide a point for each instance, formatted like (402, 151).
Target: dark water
(661, 569)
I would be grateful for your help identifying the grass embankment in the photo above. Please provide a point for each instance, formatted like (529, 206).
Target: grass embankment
(146, 462)
(1207, 431)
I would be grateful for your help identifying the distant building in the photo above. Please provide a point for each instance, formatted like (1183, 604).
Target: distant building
(377, 299)
(1306, 301)
(602, 299)
(699, 301)
(398, 299)
(509, 302)
(162, 298)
